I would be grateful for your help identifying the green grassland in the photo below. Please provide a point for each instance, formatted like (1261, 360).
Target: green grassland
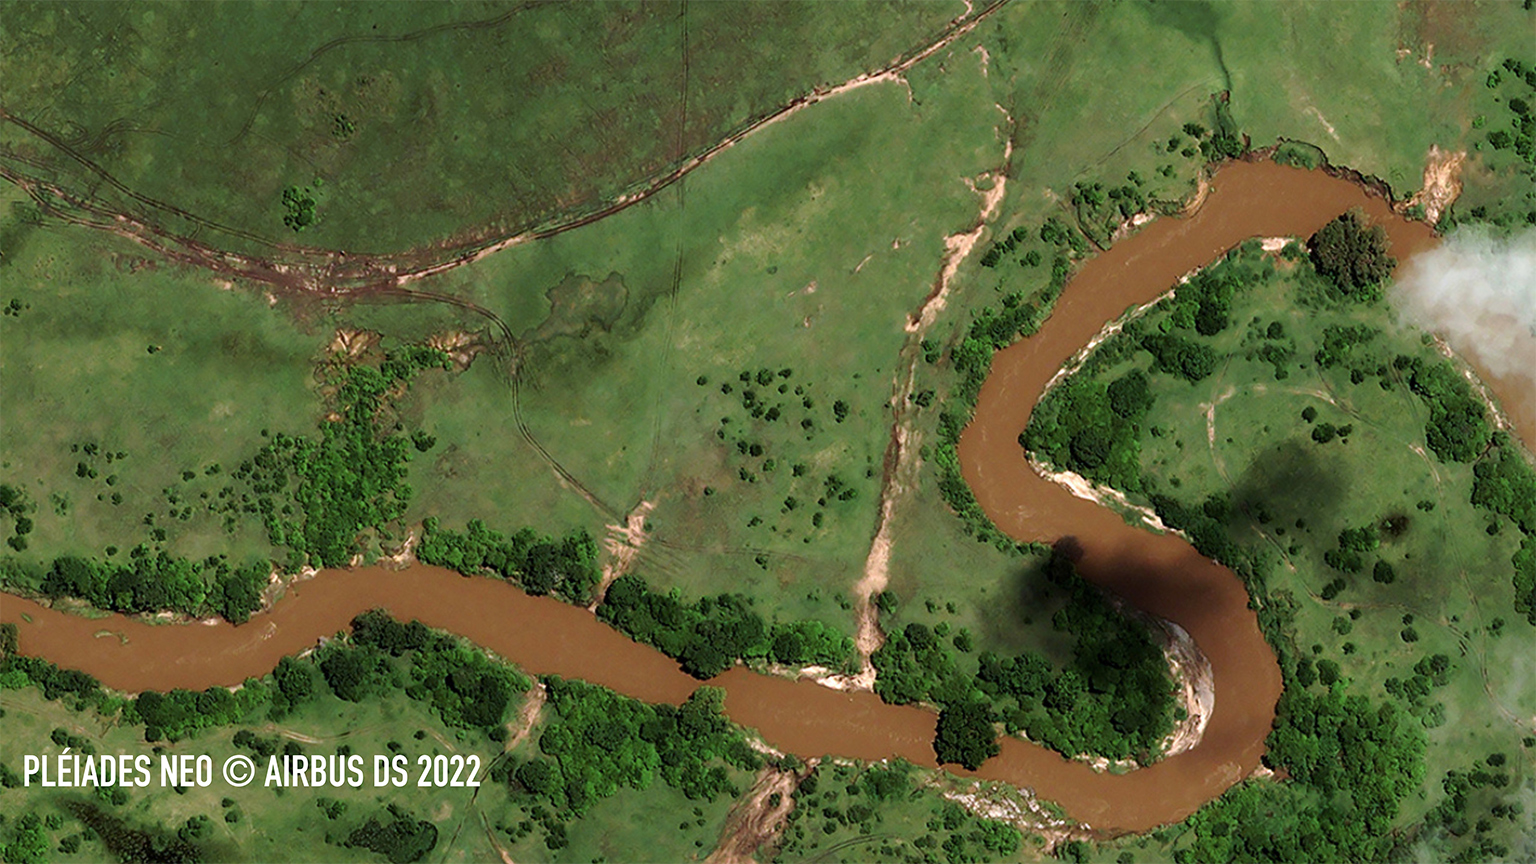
(412, 123)
(170, 368)
(1246, 436)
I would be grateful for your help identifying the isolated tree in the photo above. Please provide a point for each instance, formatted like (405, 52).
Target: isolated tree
(965, 735)
(1351, 254)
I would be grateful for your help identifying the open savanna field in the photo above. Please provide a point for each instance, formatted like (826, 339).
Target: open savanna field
(722, 347)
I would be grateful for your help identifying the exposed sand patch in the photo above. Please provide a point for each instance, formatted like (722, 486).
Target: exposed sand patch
(1196, 683)
(1442, 183)
(351, 343)
(1126, 226)
(461, 347)
(518, 729)
(1332, 133)
(958, 246)
(405, 556)
(1104, 496)
(1019, 808)
(1202, 190)
(1275, 244)
(759, 816)
(623, 544)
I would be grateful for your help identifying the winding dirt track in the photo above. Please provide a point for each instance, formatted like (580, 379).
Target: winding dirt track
(1161, 575)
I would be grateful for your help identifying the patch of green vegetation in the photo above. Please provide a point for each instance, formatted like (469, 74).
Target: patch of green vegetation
(15, 504)
(401, 839)
(1114, 699)
(1522, 77)
(888, 812)
(150, 582)
(1299, 154)
(1095, 426)
(350, 480)
(712, 634)
(1351, 254)
(299, 208)
(598, 742)
(566, 567)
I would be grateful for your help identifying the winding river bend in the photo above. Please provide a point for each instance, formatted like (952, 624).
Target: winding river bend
(1162, 575)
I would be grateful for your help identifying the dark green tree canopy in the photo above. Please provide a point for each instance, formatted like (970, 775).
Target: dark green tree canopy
(965, 735)
(1351, 254)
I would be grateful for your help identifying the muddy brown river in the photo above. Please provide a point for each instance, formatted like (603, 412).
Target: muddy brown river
(1162, 575)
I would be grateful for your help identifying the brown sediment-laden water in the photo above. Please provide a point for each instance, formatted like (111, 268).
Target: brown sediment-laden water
(1160, 574)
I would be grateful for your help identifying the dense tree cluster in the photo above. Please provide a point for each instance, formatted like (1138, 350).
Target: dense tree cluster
(565, 567)
(1003, 247)
(711, 634)
(152, 844)
(1351, 762)
(353, 478)
(27, 841)
(179, 713)
(15, 503)
(1339, 343)
(1225, 141)
(1092, 428)
(1100, 211)
(1520, 134)
(598, 741)
(1352, 255)
(17, 671)
(298, 208)
(1116, 699)
(1451, 814)
(399, 837)
(965, 735)
(466, 688)
(838, 805)
(1457, 430)
(1506, 485)
(155, 581)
